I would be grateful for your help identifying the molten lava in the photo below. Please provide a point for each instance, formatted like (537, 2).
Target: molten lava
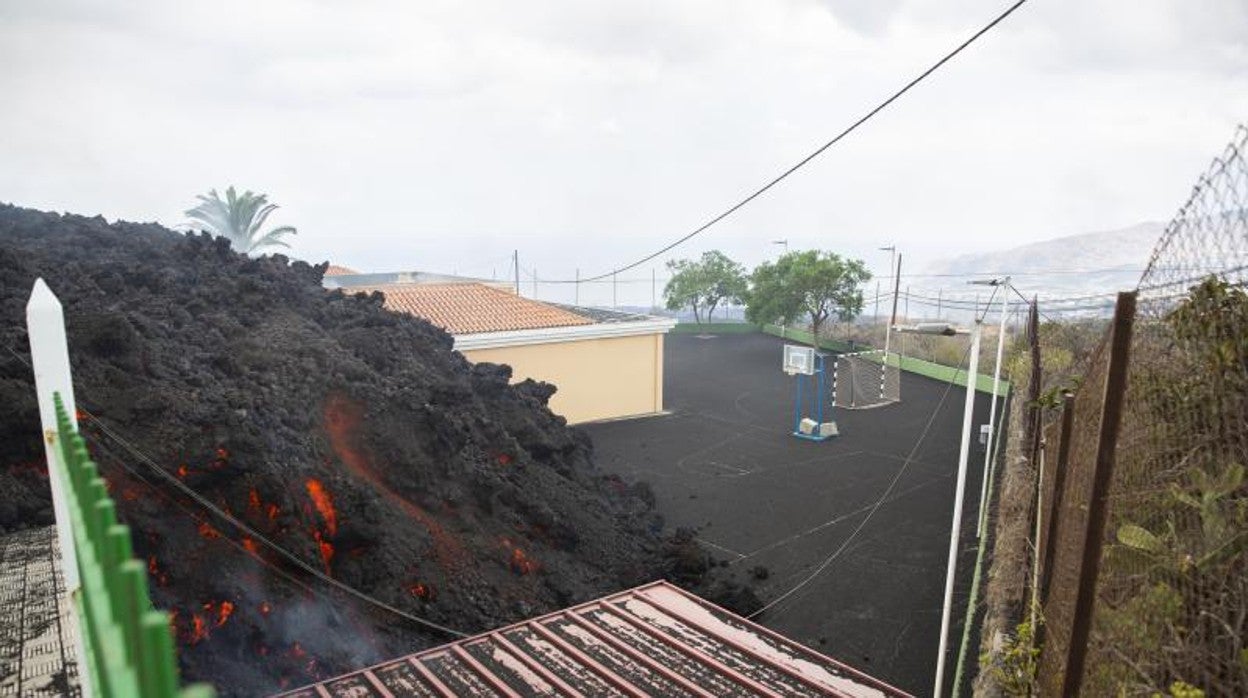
(182, 472)
(326, 549)
(199, 630)
(324, 504)
(520, 563)
(253, 500)
(224, 612)
(342, 421)
(208, 532)
(250, 546)
(153, 570)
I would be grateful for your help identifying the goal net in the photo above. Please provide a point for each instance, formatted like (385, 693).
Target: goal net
(864, 379)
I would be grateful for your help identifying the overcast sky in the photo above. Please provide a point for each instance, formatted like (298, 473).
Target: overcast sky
(440, 135)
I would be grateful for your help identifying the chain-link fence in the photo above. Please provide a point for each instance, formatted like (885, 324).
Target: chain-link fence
(1140, 564)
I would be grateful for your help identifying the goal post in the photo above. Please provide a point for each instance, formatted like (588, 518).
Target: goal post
(864, 379)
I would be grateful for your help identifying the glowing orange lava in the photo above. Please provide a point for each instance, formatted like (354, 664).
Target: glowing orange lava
(208, 532)
(342, 420)
(520, 563)
(199, 630)
(182, 471)
(250, 546)
(326, 549)
(324, 504)
(253, 500)
(224, 612)
(153, 570)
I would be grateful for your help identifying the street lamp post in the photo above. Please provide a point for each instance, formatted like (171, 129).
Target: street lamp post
(964, 451)
(1003, 284)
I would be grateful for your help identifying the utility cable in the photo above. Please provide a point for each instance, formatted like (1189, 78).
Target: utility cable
(819, 151)
(249, 531)
(256, 535)
(883, 498)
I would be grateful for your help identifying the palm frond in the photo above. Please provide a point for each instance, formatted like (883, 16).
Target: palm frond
(238, 218)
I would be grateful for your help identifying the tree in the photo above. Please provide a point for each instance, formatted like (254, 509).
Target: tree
(812, 283)
(705, 283)
(238, 218)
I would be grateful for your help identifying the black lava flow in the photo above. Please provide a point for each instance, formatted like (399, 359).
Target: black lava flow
(352, 436)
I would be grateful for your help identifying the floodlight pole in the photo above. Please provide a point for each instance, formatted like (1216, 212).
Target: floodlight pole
(956, 529)
(1004, 284)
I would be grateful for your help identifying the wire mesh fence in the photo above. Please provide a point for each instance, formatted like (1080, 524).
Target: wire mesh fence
(1141, 566)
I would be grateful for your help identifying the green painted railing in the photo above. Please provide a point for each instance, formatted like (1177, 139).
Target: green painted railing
(128, 644)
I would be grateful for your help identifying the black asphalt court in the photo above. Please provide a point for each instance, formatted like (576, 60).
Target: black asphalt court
(725, 463)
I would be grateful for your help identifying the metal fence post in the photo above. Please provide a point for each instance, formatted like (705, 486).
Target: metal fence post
(1054, 506)
(1107, 440)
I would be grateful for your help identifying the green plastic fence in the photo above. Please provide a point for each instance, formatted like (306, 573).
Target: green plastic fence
(918, 366)
(128, 644)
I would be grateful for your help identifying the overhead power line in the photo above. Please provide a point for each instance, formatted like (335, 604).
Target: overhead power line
(819, 151)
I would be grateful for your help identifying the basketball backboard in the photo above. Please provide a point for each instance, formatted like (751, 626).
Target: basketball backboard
(798, 359)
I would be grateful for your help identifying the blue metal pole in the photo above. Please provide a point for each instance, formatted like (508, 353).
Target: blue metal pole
(819, 394)
(797, 405)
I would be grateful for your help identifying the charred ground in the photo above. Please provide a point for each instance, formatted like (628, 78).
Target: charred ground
(352, 436)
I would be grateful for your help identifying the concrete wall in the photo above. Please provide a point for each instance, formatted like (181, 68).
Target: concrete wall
(597, 378)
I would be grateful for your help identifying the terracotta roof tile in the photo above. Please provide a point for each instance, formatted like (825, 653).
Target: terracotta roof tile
(335, 270)
(473, 308)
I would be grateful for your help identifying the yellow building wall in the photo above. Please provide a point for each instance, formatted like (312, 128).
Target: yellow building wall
(597, 378)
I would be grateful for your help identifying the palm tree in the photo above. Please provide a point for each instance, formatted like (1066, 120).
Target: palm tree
(238, 218)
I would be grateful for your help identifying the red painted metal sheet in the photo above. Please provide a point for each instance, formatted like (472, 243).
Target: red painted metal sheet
(695, 634)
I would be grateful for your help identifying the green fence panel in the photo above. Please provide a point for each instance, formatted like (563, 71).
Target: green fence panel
(128, 644)
(907, 363)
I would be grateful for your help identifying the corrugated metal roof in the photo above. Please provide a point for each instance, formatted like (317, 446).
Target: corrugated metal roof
(655, 640)
(473, 308)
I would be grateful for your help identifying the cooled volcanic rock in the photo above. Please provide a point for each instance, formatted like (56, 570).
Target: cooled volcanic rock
(351, 436)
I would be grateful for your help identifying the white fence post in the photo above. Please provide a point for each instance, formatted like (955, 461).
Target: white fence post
(49, 358)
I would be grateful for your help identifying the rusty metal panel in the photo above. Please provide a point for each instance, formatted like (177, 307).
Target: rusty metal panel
(652, 640)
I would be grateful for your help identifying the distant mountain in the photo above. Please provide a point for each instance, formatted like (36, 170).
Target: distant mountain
(1075, 265)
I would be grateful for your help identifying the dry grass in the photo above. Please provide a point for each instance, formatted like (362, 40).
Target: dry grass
(1010, 563)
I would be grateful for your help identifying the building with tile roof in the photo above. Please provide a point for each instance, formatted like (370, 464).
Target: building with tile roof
(605, 364)
(473, 308)
(335, 270)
